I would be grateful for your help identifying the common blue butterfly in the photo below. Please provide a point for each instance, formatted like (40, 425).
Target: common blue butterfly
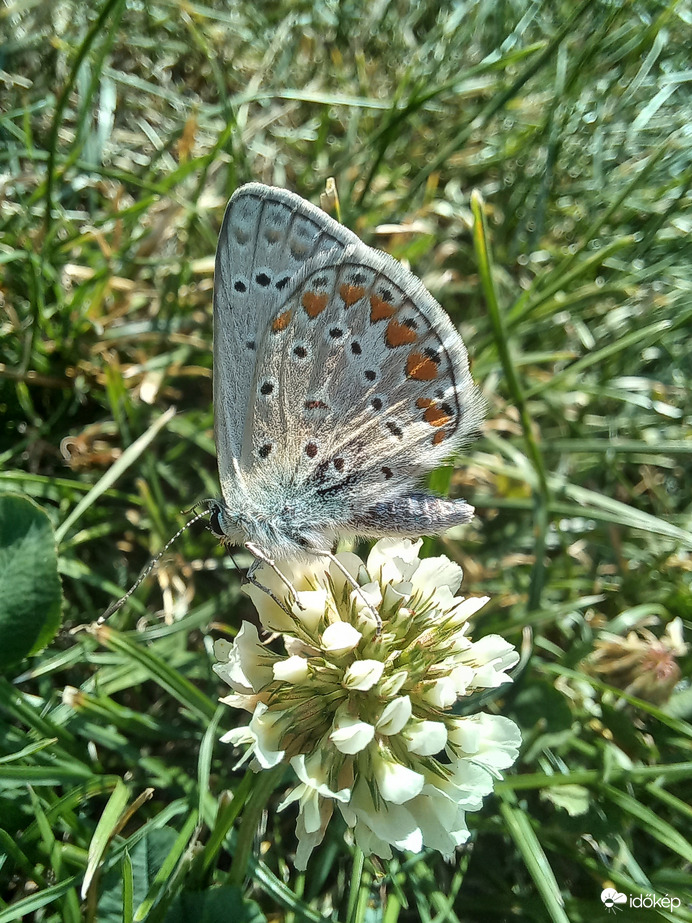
(339, 382)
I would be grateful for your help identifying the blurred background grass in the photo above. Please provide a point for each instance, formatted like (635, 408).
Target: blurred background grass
(124, 129)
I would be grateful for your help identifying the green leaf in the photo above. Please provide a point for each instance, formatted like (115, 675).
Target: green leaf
(440, 479)
(575, 799)
(30, 591)
(524, 836)
(219, 905)
(146, 859)
(104, 832)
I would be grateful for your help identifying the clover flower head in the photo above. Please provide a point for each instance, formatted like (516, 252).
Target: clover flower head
(363, 716)
(640, 663)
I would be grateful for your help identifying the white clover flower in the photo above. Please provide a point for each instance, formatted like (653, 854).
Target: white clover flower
(363, 717)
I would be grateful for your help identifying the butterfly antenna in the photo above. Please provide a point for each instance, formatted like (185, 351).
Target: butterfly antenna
(149, 568)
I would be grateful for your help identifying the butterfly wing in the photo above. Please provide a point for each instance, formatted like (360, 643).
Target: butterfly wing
(361, 386)
(267, 237)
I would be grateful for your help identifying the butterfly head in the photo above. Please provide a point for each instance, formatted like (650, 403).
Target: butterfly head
(278, 531)
(230, 528)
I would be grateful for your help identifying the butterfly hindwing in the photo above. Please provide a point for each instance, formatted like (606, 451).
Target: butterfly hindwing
(361, 384)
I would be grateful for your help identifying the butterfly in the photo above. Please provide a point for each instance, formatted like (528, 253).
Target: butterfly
(339, 383)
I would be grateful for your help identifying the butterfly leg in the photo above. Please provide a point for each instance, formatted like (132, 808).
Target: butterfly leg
(261, 558)
(351, 580)
(270, 593)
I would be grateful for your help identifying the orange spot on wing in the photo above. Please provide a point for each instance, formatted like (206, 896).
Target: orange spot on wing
(314, 304)
(351, 293)
(420, 367)
(282, 321)
(399, 334)
(380, 309)
(424, 402)
(439, 437)
(435, 416)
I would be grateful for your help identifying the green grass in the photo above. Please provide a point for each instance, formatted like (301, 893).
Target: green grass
(123, 132)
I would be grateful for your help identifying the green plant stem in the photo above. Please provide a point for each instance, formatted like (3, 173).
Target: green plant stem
(354, 912)
(108, 8)
(266, 783)
(541, 491)
(229, 807)
(393, 908)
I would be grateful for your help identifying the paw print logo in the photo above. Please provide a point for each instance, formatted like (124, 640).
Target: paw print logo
(611, 898)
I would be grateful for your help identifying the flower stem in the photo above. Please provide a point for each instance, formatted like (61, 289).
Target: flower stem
(266, 782)
(541, 490)
(393, 908)
(358, 892)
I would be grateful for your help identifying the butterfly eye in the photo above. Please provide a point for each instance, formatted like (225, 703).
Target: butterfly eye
(215, 522)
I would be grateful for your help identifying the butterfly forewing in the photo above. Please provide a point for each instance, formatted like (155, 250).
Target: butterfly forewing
(267, 236)
(339, 382)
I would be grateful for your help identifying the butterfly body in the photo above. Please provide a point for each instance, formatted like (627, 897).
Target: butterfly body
(339, 382)
(267, 515)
